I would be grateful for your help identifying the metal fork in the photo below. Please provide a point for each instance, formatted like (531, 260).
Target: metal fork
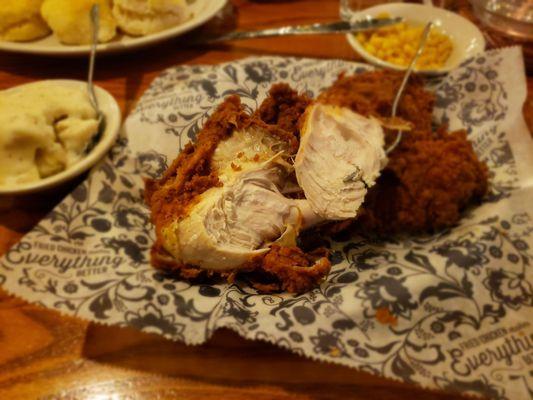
(403, 85)
(95, 22)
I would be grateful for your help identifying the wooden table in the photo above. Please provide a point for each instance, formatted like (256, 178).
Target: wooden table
(46, 355)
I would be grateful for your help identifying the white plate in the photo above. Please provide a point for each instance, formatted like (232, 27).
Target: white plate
(202, 10)
(467, 39)
(111, 110)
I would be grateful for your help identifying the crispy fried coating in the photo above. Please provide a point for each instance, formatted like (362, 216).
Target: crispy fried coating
(297, 271)
(425, 186)
(283, 108)
(280, 269)
(431, 176)
(289, 269)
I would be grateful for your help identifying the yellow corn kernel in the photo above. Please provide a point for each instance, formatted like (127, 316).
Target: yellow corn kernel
(397, 44)
(383, 15)
(376, 41)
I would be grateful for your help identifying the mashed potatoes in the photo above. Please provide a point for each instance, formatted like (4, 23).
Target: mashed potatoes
(44, 128)
(20, 20)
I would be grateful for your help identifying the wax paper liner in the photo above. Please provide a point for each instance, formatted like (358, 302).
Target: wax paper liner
(449, 311)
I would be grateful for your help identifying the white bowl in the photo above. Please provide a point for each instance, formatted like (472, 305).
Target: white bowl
(111, 110)
(467, 39)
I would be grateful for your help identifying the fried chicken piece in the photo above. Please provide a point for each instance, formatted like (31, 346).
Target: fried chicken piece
(425, 186)
(191, 174)
(431, 176)
(429, 180)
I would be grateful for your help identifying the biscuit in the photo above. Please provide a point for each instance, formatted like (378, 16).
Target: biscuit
(142, 17)
(20, 20)
(71, 21)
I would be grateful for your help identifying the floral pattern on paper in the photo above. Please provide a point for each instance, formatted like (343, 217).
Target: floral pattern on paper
(420, 309)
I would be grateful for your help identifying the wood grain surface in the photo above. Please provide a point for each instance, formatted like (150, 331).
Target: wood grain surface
(44, 355)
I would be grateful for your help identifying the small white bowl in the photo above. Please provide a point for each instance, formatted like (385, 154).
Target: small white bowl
(467, 39)
(111, 110)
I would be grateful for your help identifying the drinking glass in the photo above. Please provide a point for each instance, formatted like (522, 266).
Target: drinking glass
(347, 7)
(510, 17)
